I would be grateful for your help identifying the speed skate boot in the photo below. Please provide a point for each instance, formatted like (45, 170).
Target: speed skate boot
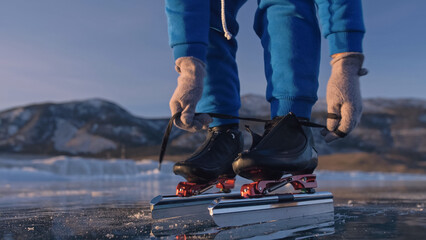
(286, 147)
(211, 163)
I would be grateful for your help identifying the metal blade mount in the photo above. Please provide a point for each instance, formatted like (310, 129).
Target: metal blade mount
(228, 212)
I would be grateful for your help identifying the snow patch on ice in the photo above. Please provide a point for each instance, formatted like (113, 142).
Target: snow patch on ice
(76, 168)
(51, 193)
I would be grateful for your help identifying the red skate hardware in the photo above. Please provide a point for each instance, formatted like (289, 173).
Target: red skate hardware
(187, 189)
(306, 183)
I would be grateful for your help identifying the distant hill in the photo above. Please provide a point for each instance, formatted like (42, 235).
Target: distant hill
(392, 131)
(79, 128)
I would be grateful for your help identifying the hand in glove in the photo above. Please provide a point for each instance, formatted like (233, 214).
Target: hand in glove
(344, 103)
(187, 94)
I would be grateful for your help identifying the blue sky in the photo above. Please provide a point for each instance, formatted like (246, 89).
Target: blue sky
(57, 50)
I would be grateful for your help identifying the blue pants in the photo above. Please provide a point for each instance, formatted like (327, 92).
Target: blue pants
(290, 36)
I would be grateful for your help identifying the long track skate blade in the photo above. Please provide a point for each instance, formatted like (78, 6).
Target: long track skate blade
(173, 206)
(227, 212)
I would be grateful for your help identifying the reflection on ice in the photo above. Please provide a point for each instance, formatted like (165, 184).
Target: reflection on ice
(73, 197)
(322, 223)
(83, 181)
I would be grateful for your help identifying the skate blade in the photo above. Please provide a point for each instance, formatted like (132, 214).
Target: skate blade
(172, 206)
(227, 212)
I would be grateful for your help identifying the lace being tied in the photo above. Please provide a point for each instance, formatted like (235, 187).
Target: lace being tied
(217, 115)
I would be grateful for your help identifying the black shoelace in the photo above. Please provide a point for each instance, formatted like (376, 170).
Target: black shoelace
(222, 116)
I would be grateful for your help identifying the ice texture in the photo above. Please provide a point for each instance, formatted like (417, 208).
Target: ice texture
(79, 168)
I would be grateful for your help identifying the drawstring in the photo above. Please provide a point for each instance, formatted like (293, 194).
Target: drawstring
(216, 115)
(228, 35)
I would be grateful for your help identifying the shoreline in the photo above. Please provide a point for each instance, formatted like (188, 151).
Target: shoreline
(338, 162)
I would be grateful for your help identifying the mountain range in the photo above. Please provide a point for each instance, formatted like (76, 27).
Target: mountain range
(391, 131)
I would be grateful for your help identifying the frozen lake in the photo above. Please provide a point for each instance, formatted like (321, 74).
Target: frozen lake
(76, 198)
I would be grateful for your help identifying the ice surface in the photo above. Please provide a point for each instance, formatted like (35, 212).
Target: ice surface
(73, 197)
(79, 168)
(84, 181)
(78, 182)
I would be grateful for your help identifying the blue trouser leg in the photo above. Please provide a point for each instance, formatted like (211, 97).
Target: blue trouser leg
(221, 93)
(291, 39)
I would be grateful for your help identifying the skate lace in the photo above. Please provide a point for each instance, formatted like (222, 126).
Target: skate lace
(268, 124)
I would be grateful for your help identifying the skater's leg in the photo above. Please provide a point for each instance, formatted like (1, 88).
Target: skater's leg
(290, 37)
(224, 142)
(291, 40)
(221, 93)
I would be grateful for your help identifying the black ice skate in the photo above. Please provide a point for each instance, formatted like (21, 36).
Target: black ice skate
(211, 163)
(287, 147)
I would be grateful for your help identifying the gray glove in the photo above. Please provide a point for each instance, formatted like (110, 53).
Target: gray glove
(187, 94)
(344, 102)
